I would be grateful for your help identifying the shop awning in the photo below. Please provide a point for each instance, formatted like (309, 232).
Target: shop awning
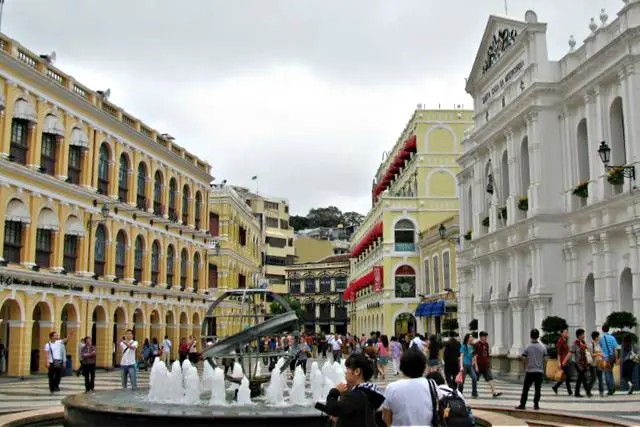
(437, 309)
(422, 309)
(24, 110)
(52, 125)
(79, 138)
(17, 211)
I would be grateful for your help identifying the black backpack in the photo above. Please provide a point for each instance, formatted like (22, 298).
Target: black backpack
(450, 411)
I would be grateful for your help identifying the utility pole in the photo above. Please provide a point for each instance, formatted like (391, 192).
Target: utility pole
(506, 8)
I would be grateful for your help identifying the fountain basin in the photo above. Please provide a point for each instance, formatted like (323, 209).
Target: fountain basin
(126, 408)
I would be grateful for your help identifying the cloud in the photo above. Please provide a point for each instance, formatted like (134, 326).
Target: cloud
(307, 94)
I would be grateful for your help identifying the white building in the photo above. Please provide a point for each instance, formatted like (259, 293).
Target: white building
(538, 126)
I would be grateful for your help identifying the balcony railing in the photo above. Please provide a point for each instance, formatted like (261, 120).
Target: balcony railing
(69, 263)
(43, 258)
(405, 247)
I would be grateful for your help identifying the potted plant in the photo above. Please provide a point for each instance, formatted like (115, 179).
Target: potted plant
(552, 327)
(473, 327)
(523, 203)
(582, 190)
(621, 320)
(485, 221)
(467, 235)
(450, 328)
(615, 176)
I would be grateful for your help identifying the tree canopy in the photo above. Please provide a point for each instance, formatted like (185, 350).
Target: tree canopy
(277, 308)
(330, 217)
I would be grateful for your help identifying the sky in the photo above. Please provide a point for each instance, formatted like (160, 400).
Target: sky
(305, 94)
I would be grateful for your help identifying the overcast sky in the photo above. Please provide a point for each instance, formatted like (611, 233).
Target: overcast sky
(305, 94)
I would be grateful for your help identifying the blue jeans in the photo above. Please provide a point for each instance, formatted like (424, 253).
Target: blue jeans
(608, 378)
(469, 370)
(129, 370)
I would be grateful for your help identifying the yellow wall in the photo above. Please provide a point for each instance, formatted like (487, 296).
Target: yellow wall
(308, 249)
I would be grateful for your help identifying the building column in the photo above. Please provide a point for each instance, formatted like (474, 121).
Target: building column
(540, 308)
(572, 286)
(129, 257)
(513, 214)
(481, 314)
(535, 165)
(610, 279)
(35, 140)
(28, 255)
(518, 305)
(110, 255)
(498, 306)
(58, 251)
(635, 272)
(20, 332)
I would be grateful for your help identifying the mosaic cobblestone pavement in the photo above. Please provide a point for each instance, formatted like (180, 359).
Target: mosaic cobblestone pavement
(33, 393)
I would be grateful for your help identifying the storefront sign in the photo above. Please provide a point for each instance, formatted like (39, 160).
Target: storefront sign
(503, 81)
(377, 275)
(6, 281)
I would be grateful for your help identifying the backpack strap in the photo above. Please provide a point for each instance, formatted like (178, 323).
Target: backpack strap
(434, 402)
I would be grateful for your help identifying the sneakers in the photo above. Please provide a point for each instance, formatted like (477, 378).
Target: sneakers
(555, 389)
(536, 407)
(630, 387)
(497, 395)
(522, 408)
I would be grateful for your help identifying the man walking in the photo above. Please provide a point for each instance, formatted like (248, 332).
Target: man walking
(608, 345)
(54, 350)
(481, 349)
(128, 348)
(166, 350)
(562, 346)
(533, 360)
(579, 353)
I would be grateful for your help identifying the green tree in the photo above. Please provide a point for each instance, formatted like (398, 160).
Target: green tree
(298, 222)
(621, 320)
(277, 308)
(552, 327)
(473, 327)
(324, 217)
(352, 218)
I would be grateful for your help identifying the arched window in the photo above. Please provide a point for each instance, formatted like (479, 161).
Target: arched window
(325, 313)
(44, 240)
(121, 254)
(310, 312)
(525, 174)
(19, 140)
(196, 271)
(155, 262)
(123, 176)
(618, 140)
(404, 235)
(184, 257)
(198, 210)
(139, 261)
(173, 214)
(185, 205)
(103, 169)
(405, 282)
(48, 149)
(100, 251)
(141, 199)
(157, 194)
(171, 255)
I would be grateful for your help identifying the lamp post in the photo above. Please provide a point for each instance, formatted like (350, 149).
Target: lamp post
(442, 230)
(604, 151)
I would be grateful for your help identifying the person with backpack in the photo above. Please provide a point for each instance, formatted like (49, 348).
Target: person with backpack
(609, 346)
(583, 360)
(411, 401)
(354, 404)
(453, 410)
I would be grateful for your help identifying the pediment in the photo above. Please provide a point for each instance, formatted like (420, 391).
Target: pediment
(499, 36)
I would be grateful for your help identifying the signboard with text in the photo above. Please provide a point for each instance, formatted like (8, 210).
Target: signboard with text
(503, 81)
(377, 278)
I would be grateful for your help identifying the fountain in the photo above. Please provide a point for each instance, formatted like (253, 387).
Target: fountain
(253, 394)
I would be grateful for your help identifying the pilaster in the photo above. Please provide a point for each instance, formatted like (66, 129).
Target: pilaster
(518, 305)
(498, 306)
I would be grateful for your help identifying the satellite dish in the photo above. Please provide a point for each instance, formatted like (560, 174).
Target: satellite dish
(107, 93)
(53, 56)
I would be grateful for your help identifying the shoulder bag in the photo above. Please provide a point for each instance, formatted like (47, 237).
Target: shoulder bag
(56, 362)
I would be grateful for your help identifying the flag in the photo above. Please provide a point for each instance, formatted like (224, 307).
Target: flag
(254, 177)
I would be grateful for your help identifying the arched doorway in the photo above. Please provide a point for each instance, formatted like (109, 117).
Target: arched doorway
(42, 326)
(119, 328)
(184, 325)
(10, 320)
(589, 304)
(99, 337)
(155, 332)
(70, 322)
(405, 324)
(626, 291)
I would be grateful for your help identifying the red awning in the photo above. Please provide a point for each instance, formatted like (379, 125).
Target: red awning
(404, 154)
(367, 240)
(411, 144)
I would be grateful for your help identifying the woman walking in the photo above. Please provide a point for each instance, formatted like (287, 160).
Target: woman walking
(596, 372)
(628, 364)
(434, 354)
(383, 355)
(468, 365)
(451, 364)
(396, 353)
(88, 364)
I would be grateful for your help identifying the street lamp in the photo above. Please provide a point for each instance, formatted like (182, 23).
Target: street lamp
(604, 151)
(442, 230)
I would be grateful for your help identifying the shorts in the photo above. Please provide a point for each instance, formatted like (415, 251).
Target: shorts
(487, 374)
(383, 360)
(434, 363)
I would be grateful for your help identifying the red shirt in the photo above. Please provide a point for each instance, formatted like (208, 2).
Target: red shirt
(563, 349)
(481, 349)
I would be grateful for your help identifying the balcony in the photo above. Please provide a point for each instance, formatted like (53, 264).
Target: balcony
(141, 202)
(405, 247)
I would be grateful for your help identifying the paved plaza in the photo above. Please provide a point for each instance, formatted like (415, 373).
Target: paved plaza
(33, 393)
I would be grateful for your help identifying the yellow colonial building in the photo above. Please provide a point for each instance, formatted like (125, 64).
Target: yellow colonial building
(273, 213)
(104, 219)
(438, 248)
(414, 189)
(235, 253)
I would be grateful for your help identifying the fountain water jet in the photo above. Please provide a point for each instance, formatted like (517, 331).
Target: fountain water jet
(244, 393)
(317, 383)
(218, 390)
(275, 392)
(298, 393)
(176, 388)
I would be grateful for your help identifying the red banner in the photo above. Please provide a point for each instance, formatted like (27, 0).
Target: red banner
(377, 274)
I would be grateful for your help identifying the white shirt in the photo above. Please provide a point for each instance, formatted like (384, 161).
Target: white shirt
(57, 349)
(336, 344)
(417, 341)
(129, 356)
(409, 401)
(167, 345)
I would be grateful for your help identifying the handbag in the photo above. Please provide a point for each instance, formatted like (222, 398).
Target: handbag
(611, 360)
(558, 375)
(57, 364)
(460, 378)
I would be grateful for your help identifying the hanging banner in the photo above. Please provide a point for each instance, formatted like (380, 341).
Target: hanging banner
(377, 277)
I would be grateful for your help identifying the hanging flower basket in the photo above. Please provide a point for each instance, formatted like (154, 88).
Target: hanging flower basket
(582, 190)
(467, 235)
(616, 176)
(523, 203)
(485, 221)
